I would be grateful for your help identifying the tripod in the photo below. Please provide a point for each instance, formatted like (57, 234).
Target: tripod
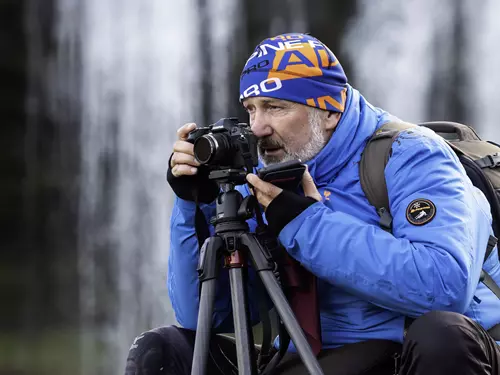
(233, 241)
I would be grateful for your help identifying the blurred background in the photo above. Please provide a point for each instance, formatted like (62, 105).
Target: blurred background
(91, 95)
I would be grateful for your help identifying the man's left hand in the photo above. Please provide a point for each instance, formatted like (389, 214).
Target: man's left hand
(263, 191)
(266, 192)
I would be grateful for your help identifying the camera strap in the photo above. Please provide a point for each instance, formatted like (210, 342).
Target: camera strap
(201, 227)
(265, 318)
(269, 243)
(284, 340)
(267, 365)
(200, 223)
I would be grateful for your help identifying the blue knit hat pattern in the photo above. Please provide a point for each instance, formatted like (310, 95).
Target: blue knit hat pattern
(298, 68)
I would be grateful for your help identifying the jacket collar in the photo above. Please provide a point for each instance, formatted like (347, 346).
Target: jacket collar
(357, 124)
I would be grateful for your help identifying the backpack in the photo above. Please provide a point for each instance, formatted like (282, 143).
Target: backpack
(481, 160)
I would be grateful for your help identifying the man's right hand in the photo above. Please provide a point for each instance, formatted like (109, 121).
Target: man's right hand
(186, 177)
(183, 162)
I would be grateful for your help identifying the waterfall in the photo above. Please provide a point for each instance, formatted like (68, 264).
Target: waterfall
(483, 62)
(390, 44)
(140, 81)
(426, 60)
(125, 74)
(139, 84)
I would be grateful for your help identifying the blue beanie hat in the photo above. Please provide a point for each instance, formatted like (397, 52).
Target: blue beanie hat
(298, 68)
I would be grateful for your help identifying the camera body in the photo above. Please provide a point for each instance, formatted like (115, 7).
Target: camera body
(227, 144)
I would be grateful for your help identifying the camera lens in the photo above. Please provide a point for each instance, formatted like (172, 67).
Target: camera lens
(211, 148)
(204, 148)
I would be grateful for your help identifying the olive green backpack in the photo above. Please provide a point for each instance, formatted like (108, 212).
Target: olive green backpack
(481, 160)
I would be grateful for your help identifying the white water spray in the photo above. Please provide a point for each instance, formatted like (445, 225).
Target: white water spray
(390, 45)
(397, 47)
(483, 65)
(140, 77)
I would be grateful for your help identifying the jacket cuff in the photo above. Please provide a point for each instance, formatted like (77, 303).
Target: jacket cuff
(284, 208)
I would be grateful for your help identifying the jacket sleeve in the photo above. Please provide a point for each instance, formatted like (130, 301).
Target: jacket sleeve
(182, 276)
(435, 266)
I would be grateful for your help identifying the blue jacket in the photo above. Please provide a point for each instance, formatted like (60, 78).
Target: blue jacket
(369, 280)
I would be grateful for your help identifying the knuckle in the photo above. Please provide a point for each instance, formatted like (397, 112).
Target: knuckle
(185, 128)
(180, 158)
(181, 130)
(180, 170)
(192, 161)
(184, 169)
(174, 171)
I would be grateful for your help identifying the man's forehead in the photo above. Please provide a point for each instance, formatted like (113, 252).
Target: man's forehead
(261, 100)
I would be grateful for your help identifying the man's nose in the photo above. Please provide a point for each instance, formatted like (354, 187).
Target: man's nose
(260, 124)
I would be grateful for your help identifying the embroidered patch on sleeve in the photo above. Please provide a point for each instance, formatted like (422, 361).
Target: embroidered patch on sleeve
(420, 211)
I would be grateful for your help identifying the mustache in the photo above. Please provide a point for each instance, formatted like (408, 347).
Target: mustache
(265, 143)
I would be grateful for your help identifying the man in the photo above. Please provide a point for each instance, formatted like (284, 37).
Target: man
(371, 284)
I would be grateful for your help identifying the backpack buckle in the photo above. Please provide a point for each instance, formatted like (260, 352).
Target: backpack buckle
(489, 161)
(385, 219)
(494, 159)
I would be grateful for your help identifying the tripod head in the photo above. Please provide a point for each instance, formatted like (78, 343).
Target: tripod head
(231, 176)
(232, 210)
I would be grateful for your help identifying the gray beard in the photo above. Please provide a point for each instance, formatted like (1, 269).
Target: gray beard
(316, 143)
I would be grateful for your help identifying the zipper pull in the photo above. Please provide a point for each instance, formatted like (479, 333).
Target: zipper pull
(397, 358)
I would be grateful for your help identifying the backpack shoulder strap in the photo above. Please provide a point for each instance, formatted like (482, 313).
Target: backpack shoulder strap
(372, 166)
(376, 155)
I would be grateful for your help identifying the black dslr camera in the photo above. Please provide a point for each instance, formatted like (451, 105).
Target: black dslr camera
(227, 144)
(228, 147)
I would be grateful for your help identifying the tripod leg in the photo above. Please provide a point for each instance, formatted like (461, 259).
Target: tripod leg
(207, 271)
(263, 265)
(245, 349)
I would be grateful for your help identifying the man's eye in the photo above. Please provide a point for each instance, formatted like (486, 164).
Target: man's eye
(274, 107)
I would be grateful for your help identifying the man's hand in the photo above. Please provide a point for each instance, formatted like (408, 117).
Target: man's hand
(266, 192)
(183, 162)
(309, 187)
(263, 191)
(186, 177)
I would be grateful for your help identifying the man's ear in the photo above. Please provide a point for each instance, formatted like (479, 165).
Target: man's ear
(332, 120)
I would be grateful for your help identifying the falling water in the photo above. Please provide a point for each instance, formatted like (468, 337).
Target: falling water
(483, 62)
(141, 77)
(132, 70)
(413, 57)
(135, 93)
(390, 44)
